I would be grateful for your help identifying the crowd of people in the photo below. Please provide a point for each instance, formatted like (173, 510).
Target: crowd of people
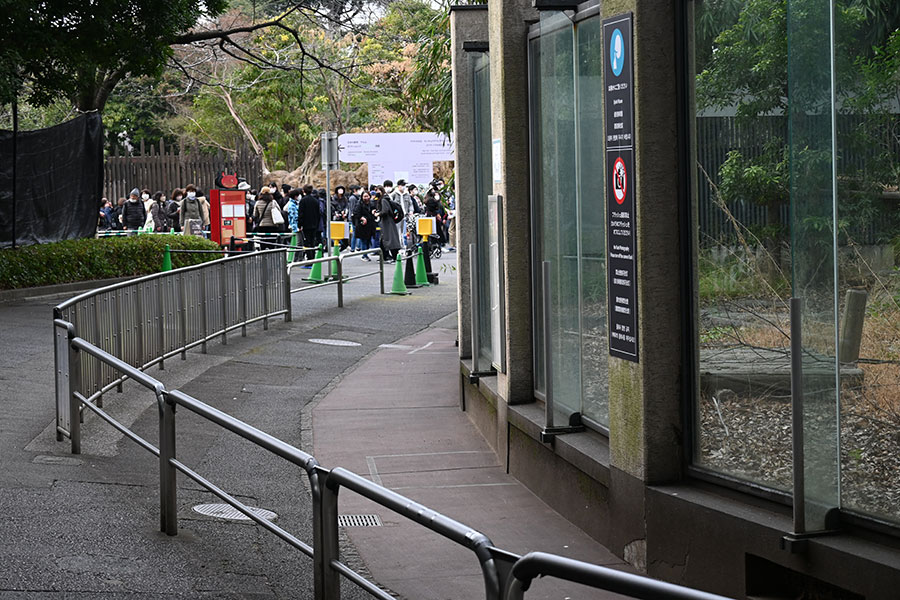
(159, 213)
(381, 216)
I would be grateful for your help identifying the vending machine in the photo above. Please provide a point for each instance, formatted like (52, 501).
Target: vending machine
(228, 216)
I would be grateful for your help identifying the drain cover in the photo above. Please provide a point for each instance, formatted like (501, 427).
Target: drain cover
(359, 521)
(334, 342)
(226, 511)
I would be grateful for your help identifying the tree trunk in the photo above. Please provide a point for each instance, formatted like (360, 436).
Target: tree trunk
(95, 89)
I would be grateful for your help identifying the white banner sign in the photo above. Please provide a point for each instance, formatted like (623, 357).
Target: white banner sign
(394, 156)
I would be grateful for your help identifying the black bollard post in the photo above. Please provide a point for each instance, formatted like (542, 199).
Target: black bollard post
(409, 274)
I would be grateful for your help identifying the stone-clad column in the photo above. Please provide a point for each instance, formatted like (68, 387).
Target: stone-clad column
(467, 24)
(509, 123)
(645, 397)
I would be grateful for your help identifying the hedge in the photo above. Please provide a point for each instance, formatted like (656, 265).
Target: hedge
(101, 258)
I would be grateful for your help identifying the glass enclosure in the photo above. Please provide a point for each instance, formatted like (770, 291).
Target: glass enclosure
(795, 137)
(483, 188)
(568, 214)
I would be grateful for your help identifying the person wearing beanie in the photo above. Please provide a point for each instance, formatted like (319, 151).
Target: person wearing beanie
(134, 215)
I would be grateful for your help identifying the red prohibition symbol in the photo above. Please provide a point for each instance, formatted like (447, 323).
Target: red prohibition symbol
(620, 180)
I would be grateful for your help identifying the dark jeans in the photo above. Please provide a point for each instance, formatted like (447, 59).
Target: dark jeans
(310, 240)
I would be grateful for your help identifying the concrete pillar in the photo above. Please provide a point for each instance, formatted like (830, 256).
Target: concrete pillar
(645, 397)
(467, 24)
(509, 123)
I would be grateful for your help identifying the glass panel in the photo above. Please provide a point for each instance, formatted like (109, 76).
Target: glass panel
(813, 248)
(742, 412)
(534, 102)
(483, 187)
(495, 212)
(867, 53)
(592, 231)
(559, 225)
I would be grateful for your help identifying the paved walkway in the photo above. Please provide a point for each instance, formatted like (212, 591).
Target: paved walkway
(87, 526)
(396, 419)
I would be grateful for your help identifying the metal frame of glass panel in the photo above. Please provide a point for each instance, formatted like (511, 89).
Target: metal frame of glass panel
(552, 25)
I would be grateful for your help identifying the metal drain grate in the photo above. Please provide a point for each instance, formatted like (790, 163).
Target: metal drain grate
(359, 521)
(226, 511)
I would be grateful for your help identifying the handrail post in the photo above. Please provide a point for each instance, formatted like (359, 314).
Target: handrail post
(182, 321)
(98, 374)
(799, 482)
(160, 318)
(119, 334)
(289, 315)
(548, 346)
(74, 390)
(381, 269)
(340, 283)
(474, 328)
(140, 319)
(265, 289)
(204, 317)
(243, 302)
(327, 581)
(223, 292)
(168, 509)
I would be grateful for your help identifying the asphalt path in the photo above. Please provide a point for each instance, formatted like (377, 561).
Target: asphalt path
(87, 526)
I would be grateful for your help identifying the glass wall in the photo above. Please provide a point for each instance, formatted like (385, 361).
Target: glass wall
(796, 115)
(568, 214)
(483, 188)
(592, 224)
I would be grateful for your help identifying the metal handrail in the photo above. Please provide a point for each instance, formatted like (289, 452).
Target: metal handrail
(324, 487)
(339, 279)
(541, 564)
(444, 526)
(152, 276)
(145, 321)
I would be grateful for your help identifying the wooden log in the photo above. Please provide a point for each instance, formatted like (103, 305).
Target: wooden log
(852, 325)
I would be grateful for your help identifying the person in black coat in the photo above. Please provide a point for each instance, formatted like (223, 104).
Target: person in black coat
(364, 224)
(134, 215)
(308, 219)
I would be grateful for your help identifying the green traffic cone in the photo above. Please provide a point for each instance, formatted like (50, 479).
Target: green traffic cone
(399, 288)
(336, 251)
(290, 256)
(167, 259)
(315, 275)
(421, 275)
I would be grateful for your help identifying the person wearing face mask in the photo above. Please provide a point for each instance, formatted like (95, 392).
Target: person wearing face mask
(133, 212)
(192, 207)
(148, 204)
(363, 218)
(249, 202)
(173, 209)
(159, 213)
(390, 234)
(401, 196)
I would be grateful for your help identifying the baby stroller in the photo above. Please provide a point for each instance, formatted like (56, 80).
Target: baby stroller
(434, 242)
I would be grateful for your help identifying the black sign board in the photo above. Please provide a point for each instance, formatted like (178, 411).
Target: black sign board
(621, 220)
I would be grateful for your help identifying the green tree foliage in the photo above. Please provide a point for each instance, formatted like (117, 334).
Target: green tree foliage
(745, 68)
(81, 50)
(430, 88)
(357, 82)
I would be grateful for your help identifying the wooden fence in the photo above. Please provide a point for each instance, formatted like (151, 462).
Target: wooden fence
(163, 169)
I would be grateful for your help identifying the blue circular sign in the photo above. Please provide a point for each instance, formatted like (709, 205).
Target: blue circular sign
(617, 52)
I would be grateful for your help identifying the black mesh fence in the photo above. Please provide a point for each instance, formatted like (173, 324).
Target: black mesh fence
(59, 182)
